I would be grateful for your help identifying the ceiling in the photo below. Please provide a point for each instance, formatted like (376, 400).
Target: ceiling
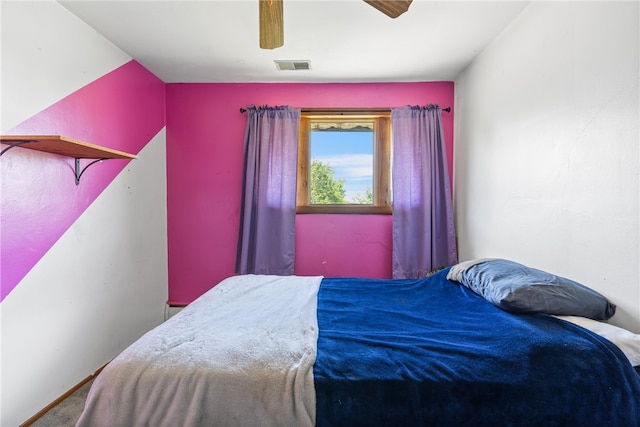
(346, 41)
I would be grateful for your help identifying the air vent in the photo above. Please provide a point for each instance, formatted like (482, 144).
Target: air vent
(293, 65)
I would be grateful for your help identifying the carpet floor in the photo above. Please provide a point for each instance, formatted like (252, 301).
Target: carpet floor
(67, 412)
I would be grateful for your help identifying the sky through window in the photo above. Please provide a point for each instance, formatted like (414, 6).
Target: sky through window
(350, 155)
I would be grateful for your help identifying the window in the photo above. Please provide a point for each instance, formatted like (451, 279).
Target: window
(344, 162)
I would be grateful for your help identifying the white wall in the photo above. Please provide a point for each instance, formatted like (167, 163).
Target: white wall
(95, 292)
(104, 283)
(547, 148)
(47, 53)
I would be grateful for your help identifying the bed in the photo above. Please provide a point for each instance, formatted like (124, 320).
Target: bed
(301, 351)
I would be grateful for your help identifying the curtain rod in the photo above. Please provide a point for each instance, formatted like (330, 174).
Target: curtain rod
(347, 110)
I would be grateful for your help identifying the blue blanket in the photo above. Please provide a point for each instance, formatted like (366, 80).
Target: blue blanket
(431, 352)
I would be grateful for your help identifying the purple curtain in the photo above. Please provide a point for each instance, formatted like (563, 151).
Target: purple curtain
(266, 240)
(423, 235)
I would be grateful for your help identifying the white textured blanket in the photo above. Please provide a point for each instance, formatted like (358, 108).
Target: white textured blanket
(240, 355)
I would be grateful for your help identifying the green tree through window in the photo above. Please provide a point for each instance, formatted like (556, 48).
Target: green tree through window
(364, 199)
(325, 189)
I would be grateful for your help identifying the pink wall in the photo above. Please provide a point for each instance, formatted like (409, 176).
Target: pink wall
(205, 133)
(122, 110)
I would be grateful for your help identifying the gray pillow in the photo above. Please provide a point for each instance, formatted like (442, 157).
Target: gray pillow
(521, 289)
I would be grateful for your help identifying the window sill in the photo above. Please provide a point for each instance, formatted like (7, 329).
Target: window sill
(344, 209)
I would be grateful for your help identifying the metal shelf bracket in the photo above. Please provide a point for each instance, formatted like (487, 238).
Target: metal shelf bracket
(79, 172)
(14, 144)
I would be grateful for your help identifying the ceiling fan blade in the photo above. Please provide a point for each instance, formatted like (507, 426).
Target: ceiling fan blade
(271, 24)
(391, 8)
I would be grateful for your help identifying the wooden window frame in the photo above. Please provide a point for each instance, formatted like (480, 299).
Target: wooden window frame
(381, 162)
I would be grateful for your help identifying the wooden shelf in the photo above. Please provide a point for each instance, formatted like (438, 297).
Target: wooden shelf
(65, 146)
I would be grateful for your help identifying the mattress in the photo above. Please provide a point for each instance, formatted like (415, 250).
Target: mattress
(269, 350)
